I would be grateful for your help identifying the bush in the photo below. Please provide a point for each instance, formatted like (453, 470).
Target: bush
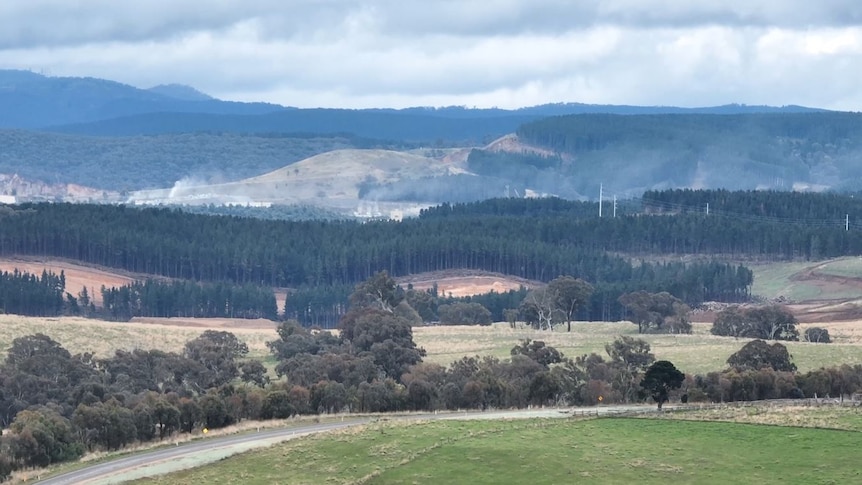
(464, 314)
(817, 335)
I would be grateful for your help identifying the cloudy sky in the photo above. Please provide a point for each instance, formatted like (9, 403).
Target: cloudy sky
(506, 53)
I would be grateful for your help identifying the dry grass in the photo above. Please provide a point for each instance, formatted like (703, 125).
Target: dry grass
(821, 416)
(102, 338)
(699, 352)
(696, 353)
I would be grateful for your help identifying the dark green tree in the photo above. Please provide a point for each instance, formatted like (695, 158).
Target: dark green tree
(758, 354)
(817, 335)
(537, 351)
(462, 313)
(253, 371)
(659, 312)
(661, 378)
(217, 351)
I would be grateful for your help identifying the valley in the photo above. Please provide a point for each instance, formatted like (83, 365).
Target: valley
(172, 263)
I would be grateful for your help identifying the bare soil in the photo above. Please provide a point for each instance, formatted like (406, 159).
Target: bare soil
(78, 276)
(456, 283)
(466, 282)
(209, 323)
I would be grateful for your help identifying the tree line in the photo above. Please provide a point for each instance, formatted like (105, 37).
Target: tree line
(155, 298)
(23, 293)
(58, 406)
(327, 253)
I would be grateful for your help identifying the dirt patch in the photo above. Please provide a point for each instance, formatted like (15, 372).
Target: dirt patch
(466, 283)
(827, 311)
(814, 275)
(78, 276)
(512, 144)
(209, 323)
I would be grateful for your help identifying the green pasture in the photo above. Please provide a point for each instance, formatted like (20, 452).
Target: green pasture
(786, 279)
(613, 450)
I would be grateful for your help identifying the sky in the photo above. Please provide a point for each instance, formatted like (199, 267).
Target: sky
(503, 53)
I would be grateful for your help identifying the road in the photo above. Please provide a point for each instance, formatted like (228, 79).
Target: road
(121, 467)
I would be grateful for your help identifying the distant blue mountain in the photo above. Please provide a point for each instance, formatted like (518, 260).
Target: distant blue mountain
(181, 92)
(33, 101)
(393, 125)
(563, 109)
(90, 106)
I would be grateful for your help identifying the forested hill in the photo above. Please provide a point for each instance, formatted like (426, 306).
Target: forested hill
(377, 124)
(317, 253)
(631, 154)
(141, 162)
(536, 239)
(785, 207)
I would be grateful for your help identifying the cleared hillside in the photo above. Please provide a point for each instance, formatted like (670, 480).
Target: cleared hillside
(333, 179)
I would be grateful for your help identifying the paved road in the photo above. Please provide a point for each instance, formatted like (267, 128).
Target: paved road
(103, 471)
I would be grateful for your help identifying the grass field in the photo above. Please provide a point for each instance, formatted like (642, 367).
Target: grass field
(696, 353)
(843, 267)
(699, 352)
(798, 281)
(102, 338)
(548, 451)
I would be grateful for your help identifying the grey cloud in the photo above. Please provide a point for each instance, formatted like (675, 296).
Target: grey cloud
(509, 53)
(35, 23)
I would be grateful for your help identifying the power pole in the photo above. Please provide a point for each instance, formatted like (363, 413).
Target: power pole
(707, 208)
(601, 187)
(847, 222)
(615, 206)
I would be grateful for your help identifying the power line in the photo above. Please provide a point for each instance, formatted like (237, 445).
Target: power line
(706, 210)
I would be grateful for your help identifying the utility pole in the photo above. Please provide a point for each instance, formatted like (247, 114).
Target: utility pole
(601, 187)
(615, 206)
(707, 208)
(847, 222)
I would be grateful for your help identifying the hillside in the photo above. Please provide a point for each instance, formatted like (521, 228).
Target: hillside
(139, 162)
(30, 100)
(630, 154)
(102, 107)
(118, 138)
(332, 179)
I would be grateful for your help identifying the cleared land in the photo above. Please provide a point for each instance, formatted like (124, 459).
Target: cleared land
(78, 276)
(835, 279)
(696, 353)
(820, 292)
(545, 451)
(331, 179)
(466, 282)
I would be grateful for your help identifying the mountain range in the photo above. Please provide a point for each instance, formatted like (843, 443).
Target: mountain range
(122, 140)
